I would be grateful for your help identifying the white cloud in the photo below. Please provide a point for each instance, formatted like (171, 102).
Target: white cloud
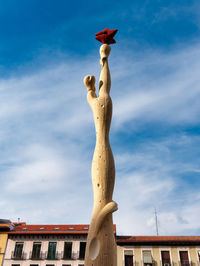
(153, 177)
(160, 87)
(47, 139)
(39, 170)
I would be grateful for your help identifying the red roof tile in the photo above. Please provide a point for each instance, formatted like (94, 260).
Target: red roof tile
(139, 239)
(52, 229)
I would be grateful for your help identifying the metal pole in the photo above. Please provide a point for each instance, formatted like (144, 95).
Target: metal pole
(156, 221)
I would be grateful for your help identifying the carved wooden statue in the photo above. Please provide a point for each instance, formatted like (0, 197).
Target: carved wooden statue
(101, 246)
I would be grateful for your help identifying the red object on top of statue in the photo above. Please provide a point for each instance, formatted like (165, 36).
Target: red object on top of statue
(106, 36)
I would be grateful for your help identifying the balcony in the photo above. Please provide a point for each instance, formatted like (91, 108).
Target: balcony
(165, 262)
(56, 256)
(38, 256)
(67, 256)
(185, 263)
(18, 256)
(72, 256)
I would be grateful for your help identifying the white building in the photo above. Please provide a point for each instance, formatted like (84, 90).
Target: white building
(46, 245)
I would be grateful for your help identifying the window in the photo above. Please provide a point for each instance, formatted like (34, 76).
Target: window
(82, 250)
(36, 251)
(67, 250)
(128, 257)
(147, 258)
(165, 257)
(15, 264)
(18, 250)
(51, 251)
(184, 258)
(81, 265)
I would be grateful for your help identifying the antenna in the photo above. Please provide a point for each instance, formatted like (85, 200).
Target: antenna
(156, 221)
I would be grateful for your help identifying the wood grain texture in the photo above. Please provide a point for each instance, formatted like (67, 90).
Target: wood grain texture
(101, 246)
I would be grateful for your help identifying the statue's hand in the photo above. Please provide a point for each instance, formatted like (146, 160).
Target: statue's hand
(89, 82)
(104, 51)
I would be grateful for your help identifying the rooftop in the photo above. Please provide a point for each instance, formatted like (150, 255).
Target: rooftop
(172, 240)
(52, 229)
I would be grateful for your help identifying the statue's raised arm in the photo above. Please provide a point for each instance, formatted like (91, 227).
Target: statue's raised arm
(105, 79)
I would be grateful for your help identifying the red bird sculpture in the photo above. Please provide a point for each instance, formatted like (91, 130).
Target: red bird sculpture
(106, 36)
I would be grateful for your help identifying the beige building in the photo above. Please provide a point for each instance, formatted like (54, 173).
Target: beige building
(158, 250)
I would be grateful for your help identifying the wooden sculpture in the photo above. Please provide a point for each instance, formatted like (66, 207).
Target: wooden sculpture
(101, 246)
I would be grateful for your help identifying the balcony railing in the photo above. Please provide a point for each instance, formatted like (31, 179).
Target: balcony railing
(165, 262)
(40, 256)
(81, 256)
(65, 256)
(185, 263)
(44, 256)
(56, 256)
(73, 256)
(21, 256)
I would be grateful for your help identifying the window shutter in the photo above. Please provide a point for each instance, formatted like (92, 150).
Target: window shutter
(147, 258)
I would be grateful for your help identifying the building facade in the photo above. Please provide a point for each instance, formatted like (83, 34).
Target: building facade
(5, 226)
(158, 250)
(3, 242)
(64, 245)
(46, 245)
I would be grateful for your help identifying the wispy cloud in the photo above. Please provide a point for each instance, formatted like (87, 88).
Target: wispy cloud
(152, 177)
(47, 140)
(38, 170)
(159, 87)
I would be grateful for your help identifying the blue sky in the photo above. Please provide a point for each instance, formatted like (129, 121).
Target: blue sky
(47, 133)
